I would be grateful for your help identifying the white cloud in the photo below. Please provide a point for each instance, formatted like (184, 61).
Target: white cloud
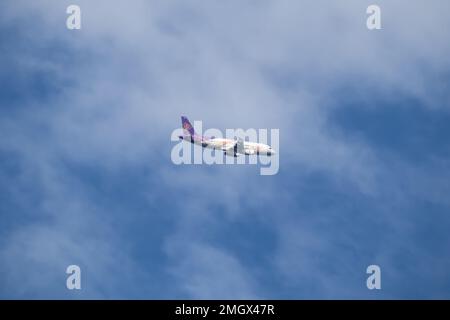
(206, 272)
(235, 64)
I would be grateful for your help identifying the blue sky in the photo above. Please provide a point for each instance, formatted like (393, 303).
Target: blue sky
(86, 176)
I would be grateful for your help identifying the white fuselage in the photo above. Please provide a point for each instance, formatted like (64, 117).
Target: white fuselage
(227, 145)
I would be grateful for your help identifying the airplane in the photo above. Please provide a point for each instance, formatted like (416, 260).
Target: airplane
(230, 147)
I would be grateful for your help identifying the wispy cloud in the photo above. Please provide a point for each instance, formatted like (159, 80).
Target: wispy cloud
(85, 134)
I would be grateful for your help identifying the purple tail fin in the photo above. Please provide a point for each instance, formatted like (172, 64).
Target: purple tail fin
(187, 126)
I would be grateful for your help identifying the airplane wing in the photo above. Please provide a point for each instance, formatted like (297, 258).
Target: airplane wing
(236, 149)
(239, 146)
